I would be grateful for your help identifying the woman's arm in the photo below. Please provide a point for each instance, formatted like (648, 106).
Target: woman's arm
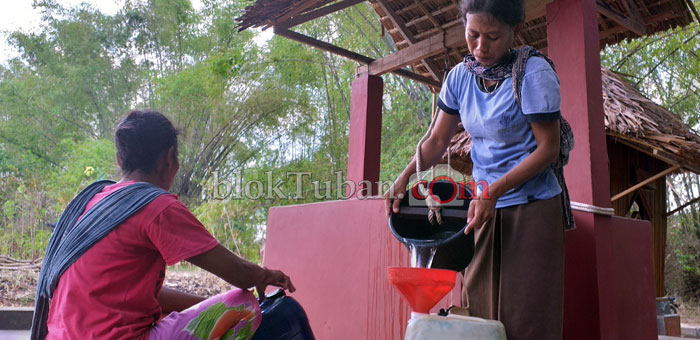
(431, 152)
(173, 300)
(547, 137)
(239, 272)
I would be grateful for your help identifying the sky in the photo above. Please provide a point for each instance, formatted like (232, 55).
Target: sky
(20, 15)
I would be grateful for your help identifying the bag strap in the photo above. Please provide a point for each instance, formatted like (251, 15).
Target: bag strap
(566, 136)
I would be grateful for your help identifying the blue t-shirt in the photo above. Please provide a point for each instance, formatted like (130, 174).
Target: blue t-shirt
(500, 130)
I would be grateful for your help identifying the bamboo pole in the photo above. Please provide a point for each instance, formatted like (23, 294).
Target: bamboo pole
(694, 200)
(645, 182)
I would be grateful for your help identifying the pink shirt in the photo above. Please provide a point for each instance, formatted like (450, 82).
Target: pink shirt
(111, 291)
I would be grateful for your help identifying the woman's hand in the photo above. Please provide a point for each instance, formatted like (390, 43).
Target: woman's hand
(480, 211)
(394, 195)
(240, 272)
(274, 278)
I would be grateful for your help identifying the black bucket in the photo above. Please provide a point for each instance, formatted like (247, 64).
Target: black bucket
(412, 227)
(283, 318)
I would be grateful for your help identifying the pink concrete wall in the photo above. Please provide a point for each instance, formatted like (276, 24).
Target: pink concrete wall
(627, 294)
(337, 254)
(609, 283)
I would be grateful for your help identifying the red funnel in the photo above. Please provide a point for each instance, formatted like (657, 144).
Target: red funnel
(422, 288)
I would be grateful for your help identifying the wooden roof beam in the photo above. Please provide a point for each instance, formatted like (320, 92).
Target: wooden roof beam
(300, 19)
(533, 9)
(645, 182)
(633, 25)
(322, 45)
(301, 9)
(429, 15)
(396, 19)
(445, 27)
(654, 152)
(405, 9)
(436, 25)
(663, 17)
(632, 8)
(436, 12)
(413, 6)
(417, 77)
(424, 49)
(694, 200)
(403, 30)
(612, 31)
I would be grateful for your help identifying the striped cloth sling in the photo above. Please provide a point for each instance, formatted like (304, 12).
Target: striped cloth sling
(72, 237)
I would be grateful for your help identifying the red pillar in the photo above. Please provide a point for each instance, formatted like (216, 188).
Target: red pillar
(608, 293)
(572, 43)
(365, 134)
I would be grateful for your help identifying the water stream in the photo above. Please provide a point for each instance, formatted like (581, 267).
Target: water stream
(423, 250)
(421, 255)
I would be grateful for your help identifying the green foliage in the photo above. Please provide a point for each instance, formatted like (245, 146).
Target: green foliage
(683, 238)
(683, 264)
(32, 202)
(23, 232)
(83, 163)
(236, 224)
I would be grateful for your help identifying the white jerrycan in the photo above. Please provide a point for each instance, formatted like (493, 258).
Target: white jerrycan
(457, 327)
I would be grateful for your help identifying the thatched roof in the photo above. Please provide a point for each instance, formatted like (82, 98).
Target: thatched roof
(409, 22)
(630, 118)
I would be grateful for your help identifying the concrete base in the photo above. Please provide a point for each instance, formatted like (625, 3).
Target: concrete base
(690, 331)
(14, 335)
(609, 282)
(16, 318)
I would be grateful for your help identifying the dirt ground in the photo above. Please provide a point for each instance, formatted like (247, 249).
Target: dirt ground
(17, 287)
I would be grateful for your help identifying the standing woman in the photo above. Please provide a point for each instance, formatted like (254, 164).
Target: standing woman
(516, 275)
(102, 276)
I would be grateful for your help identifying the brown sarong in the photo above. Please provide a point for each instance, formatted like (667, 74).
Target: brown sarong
(517, 273)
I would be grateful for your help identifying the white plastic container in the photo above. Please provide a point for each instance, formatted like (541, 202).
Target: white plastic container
(457, 327)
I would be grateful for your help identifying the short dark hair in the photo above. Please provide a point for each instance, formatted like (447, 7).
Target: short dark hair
(510, 12)
(141, 138)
